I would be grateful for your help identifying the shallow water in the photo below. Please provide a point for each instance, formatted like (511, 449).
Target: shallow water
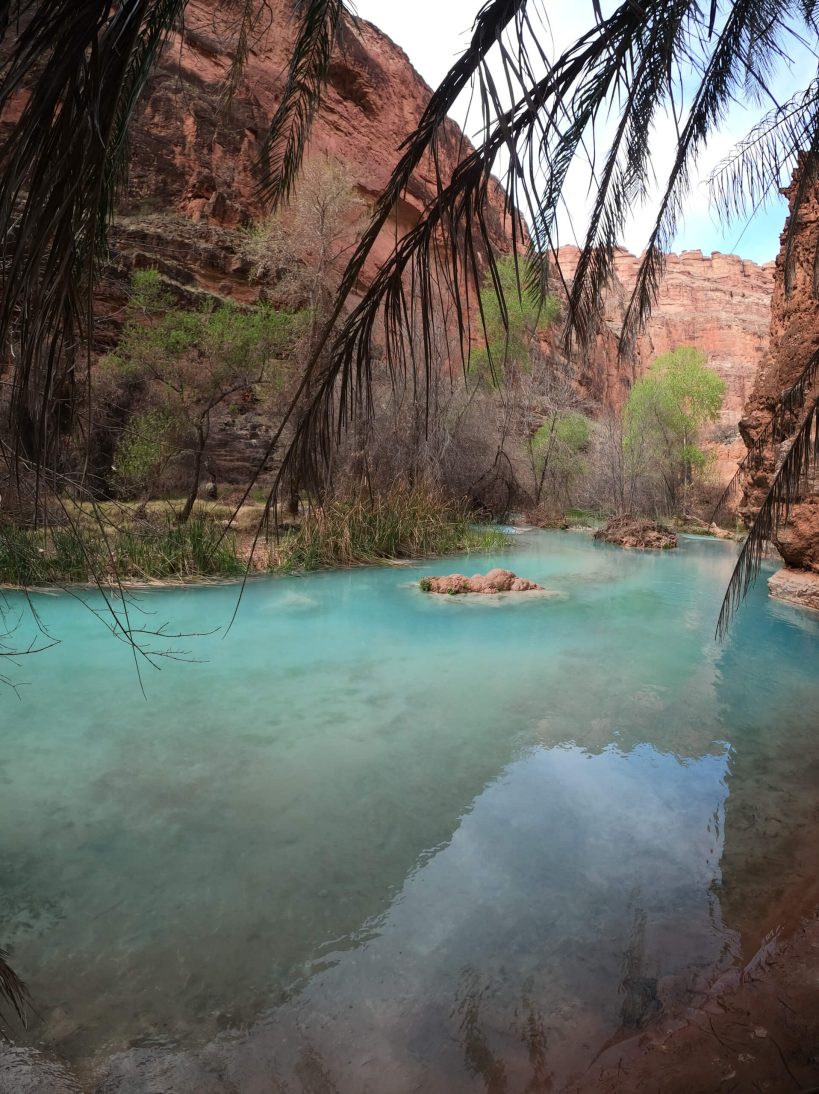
(381, 841)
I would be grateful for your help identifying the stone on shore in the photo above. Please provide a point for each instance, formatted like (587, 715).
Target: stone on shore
(799, 587)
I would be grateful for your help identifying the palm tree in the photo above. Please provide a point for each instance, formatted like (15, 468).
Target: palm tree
(74, 71)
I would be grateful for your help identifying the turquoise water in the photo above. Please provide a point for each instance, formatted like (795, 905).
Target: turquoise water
(377, 841)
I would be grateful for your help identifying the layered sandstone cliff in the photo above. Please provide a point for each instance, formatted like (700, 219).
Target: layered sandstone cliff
(720, 304)
(194, 158)
(193, 186)
(794, 341)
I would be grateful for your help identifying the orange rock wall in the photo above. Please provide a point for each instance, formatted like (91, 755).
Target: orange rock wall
(721, 304)
(794, 340)
(195, 158)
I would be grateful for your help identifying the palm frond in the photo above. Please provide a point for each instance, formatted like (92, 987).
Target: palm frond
(319, 24)
(755, 170)
(490, 24)
(255, 18)
(748, 41)
(81, 66)
(788, 486)
(13, 991)
(627, 58)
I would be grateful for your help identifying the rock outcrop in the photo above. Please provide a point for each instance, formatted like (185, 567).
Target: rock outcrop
(193, 186)
(718, 303)
(496, 581)
(194, 159)
(628, 531)
(794, 341)
(798, 587)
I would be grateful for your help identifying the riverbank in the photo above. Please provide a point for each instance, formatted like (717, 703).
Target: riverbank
(116, 543)
(757, 1031)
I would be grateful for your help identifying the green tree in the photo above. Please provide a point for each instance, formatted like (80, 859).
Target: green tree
(189, 363)
(142, 452)
(556, 451)
(514, 321)
(664, 419)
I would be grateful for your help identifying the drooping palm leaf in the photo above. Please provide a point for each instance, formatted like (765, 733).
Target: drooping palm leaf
(13, 991)
(748, 44)
(77, 68)
(490, 24)
(319, 24)
(627, 55)
(756, 169)
(787, 488)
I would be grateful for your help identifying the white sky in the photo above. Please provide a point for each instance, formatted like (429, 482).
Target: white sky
(435, 32)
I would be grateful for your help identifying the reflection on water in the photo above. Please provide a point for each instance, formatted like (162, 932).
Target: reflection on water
(389, 842)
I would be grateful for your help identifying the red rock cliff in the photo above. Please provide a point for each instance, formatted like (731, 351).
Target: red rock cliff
(794, 339)
(193, 160)
(721, 304)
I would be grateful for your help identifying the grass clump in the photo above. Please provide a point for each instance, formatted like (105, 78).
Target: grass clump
(403, 523)
(141, 551)
(179, 551)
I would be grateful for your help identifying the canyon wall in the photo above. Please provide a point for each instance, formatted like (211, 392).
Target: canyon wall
(193, 178)
(794, 341)
(193, 188)
(720, 304)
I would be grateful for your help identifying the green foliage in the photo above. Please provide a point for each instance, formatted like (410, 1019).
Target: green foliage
(142, 451)
(147, 292)
(561, 441)
(179, 551)
(142, 552)
(200, 356)
(557, 456)
(511, 330)
(187, 364)
(403, 523)
(29, 558)
(666, 412)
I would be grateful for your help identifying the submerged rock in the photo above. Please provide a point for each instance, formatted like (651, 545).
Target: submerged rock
(631, 531)
(496, 581)
(29, 1071)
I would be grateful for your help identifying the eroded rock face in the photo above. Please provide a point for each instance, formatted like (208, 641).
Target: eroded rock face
(194, 161)
(799, 587)
(496, 581)
(720, 304)
(193, 185)
(794, 340)
(631, 531)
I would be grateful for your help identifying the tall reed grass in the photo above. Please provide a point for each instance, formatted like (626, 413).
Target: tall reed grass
(403, 523)
(137, 552)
